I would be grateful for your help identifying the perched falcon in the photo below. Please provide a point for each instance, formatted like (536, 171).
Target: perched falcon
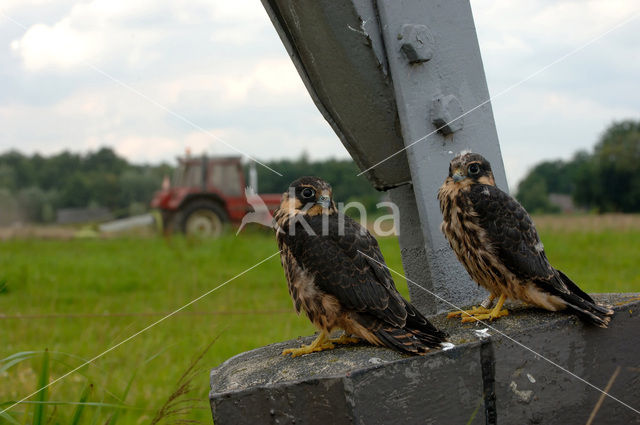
(335, 273)
(496, 241)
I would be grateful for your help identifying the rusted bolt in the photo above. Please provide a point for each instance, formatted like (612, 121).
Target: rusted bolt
(416, 43)
(446, 114)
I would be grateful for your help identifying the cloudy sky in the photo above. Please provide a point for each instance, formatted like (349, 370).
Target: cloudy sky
(151, 78)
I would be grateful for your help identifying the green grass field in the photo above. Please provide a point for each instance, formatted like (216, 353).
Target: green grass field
(77, 298)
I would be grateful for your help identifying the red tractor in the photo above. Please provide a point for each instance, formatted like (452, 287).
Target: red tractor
(206, 193)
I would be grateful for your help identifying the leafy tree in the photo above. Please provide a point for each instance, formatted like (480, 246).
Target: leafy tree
(617, 167)
(533, 194)
(342, 174)
(22, 172)
(36, 186)
(31, 201)
(607, 180)
(7, 178)
(104, 161)
(8, 207)
(587, 187)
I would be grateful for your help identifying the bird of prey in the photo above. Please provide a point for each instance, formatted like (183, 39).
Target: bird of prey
(496, 241)
(336, 275)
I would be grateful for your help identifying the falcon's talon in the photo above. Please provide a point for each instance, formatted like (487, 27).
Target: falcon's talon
(319, 344)
(481, 313)
(490, 316)
(466, 313)
(307, 349)
(344, 339)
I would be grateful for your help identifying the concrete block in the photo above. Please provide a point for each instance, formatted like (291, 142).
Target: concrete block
(497, 375)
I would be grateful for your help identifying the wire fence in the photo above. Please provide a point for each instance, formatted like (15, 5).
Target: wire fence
(142, 314)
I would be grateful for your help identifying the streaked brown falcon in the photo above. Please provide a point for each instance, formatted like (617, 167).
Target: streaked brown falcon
(333, 268)
(496, 241)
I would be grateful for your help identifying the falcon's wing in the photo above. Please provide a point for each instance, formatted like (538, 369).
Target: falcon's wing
(511, 233)
(515, 240)
(358, 283)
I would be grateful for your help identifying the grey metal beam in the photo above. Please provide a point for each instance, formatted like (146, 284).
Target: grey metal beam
(337, 49)
(385, 74)
(436, 69)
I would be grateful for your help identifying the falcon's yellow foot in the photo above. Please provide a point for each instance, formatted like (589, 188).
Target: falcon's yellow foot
(322, 342)
(344, 339)
(482, 313)
(467, 313)
(493, 314)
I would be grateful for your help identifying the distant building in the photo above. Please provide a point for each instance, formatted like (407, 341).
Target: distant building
(564, 202)
(9, 212)
(82, 215)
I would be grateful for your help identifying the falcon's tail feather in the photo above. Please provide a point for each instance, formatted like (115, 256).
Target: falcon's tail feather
(419, 325)
(584, 305)
(417, 336)
(409, 341)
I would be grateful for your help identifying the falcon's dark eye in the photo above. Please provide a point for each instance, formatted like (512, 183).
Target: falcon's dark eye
(307, 193)
(473, 169)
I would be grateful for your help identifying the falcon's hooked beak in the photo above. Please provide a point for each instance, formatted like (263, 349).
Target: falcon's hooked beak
(458, 176)
(324, 201)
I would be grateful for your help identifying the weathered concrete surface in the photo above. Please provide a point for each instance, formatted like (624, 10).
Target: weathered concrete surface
(481, 380)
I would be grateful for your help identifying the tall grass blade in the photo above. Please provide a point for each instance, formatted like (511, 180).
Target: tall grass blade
(179, 404)
(16, 358)
(88, 403)
(97, 414)
(7, 417)
(13, 359)
(75, 419)
(116, 414)
(43, 380)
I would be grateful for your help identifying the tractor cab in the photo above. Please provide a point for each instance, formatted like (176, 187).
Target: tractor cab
(205, 194)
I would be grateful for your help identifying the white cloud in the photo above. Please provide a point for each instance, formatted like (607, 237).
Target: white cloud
(517, 40)
(221, 65)
(287, 143)
(101, 30)
(153, 149)
(110, 115)
(8, 6)
(89, 34)
(565, 108)
(59, 46)
(536, 125)
(575, 22)
(272, 80)
(277, 77)
(557, 22)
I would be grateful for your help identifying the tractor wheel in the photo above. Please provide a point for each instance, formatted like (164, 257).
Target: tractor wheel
(203, 219)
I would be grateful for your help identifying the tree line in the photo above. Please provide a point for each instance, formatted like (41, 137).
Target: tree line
(34, 187)
(342, 174)
(605, 180)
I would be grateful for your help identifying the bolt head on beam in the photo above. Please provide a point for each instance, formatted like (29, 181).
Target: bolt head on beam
(417, 43)
(446, 114)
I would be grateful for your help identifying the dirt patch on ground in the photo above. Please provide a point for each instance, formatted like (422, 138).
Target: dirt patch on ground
(37, 232)
(587, 223)
(555, 223)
